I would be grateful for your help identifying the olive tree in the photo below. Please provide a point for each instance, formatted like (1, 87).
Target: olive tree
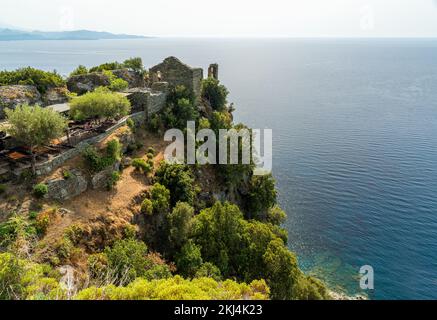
(34, 127)
(99, 104)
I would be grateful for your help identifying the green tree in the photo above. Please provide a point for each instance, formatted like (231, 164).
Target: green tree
(215, 93)
(79, 71)
(35, 127)
(127, 260)
(99, 104)
(262, 196)
(180, 224)
(134, 64)
(179, 179)
(189, 260)
(219, 233)
(43, 80)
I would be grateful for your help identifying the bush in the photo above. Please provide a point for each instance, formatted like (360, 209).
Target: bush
(141, 165)
(208, 270)
(2, 188)
(134, 64)
(29, 76)
(66, 174)
(99, 104)
(177, 288)
(15, 227)
(215, 93)
(116, 84)
(114, 149)
(147, 207)
(180, 108)
(40, 190)
(113, 179)
(42, 223)
(33, 215)
(160, 199)
(79, 71)
(262, 196)
(131, 124)
(189, 259)
(127, 259)
(109, 66)
(94, 161)
(155, 123)
(179, 180)
(150, 156)
(151, 151)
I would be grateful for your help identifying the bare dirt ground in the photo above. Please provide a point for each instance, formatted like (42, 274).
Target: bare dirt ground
(118, 204)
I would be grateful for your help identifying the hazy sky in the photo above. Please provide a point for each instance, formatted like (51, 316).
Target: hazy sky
(314, 18)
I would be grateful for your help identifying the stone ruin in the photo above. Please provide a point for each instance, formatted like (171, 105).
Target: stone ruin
(147, 97)
(175, 73)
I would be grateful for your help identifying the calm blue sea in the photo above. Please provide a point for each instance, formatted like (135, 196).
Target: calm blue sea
(355, 150)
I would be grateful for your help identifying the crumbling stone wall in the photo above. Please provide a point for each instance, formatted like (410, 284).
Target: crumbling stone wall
(173, 71)
(149, 101)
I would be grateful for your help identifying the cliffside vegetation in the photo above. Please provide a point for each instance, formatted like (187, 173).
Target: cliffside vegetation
(43, 80)
(177, 231)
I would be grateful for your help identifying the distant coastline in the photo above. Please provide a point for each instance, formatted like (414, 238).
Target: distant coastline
(7, 34)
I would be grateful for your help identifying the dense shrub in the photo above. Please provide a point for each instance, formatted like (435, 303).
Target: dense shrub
(127, 259)
(176, 288)
(134, 64)
(179, 180)
(180, 222)
(113, 179)
(109, 66)
(42, 222)
(80, 70)
(29, 76)
(215, 93)
(99, 104)
(21, 279)
(151, 151)
(2, 189)
(40, 190)
(147, 207)
(189, 259)
(160, 197)
(114, 149)
(141, 165)
(13, 228)
(97, 162)
(180, 109)
(251, 250)
(262, 196)
(116, 84)
(208, 270)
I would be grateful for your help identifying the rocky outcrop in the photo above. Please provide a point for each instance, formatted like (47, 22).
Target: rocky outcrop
(63, 189)
(84, 83)
(12, 96)
(134, 79)
(55, 96)
(100, 179)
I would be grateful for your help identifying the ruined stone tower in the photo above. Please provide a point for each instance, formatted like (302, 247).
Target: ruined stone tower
(213, 71)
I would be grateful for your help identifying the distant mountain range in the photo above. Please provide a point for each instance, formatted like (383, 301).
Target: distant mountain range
(7, 34)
